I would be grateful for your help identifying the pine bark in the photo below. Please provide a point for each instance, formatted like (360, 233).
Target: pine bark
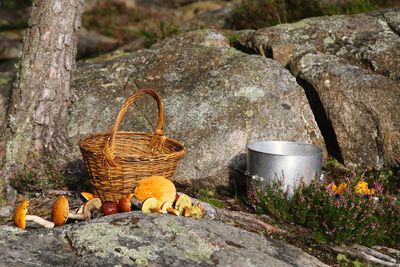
(38, 112)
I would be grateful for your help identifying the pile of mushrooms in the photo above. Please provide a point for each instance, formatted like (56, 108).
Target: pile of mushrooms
(60, 213)
(153, 194)
(158, 194)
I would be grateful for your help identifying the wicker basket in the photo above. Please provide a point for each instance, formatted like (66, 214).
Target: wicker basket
(117, 160)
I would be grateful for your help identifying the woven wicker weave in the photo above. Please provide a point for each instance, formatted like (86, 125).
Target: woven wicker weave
(116, 161)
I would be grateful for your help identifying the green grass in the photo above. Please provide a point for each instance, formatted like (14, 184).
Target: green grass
(17, 25)
(30, 181)
(15, 4)
(233, 38)
(208, 197)
(165, 29)
(256, 14)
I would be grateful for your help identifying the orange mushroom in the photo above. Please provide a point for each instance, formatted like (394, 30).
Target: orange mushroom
(21, 216)
(156, 186)
(60, 210)
(87, 196)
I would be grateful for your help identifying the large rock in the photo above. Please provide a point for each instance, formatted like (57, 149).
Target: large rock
(364, 40)
(351, 64)
(217, 100)
(91, 43)
(363, 107)
(134, 239)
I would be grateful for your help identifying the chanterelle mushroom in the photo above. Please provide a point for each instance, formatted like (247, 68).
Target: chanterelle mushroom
(20, 217)
(60, 211)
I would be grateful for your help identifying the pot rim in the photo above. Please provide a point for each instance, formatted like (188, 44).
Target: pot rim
(309, 149)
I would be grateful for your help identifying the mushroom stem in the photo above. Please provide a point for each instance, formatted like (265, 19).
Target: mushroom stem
(157, 210)
(39, 220)
(136, 203)
(90, 206)
(79, 216)
(173, 211)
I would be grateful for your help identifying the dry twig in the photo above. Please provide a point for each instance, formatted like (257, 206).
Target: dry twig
(362, 253)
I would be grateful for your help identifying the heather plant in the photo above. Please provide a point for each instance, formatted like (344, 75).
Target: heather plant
(349, 213)
(270, 199)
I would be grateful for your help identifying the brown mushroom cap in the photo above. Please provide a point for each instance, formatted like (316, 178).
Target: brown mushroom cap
(109, 207)
(60, 211)
(20, 214)
(94, 203)
(124, 204)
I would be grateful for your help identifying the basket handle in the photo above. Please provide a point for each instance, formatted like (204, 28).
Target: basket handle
(158, 132)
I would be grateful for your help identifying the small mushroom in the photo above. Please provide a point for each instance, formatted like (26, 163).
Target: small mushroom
(186, 212)
(155, 186)
(197, 211)
(87, 196)
(173, 211)
(124, 204)
(20, 217)
(60, 210)
(136, 203)
(165, 206)
(150, 205)
(182, 202)
(109, 207)
(91, 206)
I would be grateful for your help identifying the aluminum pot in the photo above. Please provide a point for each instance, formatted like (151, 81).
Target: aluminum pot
(289, 161)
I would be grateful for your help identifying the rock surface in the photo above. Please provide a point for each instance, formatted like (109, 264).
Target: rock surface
(217, 100)
(363, 107)
(351, 64)
(135, 239)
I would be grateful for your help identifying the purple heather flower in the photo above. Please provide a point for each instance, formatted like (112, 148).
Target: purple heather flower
(378, 187)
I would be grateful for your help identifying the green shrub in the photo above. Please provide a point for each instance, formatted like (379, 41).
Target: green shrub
(31, 181)
(389, 177)
(271, 199)
(165, 29)
(347, 217)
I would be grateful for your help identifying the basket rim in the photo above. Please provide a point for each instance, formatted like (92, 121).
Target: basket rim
(94, 135)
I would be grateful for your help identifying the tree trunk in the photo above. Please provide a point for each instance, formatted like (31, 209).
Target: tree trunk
(38, 112)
